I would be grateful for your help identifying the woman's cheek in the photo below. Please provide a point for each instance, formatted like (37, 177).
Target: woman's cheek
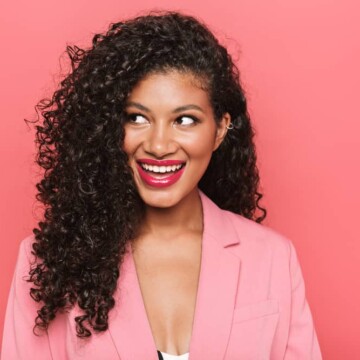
(201, 148)
(130, 141)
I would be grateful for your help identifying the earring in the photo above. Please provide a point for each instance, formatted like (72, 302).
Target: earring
(230, 126)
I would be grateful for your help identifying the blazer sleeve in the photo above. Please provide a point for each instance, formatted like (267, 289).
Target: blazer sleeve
(19, 341)
(302, 341)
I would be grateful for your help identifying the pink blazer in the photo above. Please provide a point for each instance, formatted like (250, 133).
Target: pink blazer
(251, 304)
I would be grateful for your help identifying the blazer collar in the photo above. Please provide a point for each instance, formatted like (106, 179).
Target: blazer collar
(215, 302)
(216, 223)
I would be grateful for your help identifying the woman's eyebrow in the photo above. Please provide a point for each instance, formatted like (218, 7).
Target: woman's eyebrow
(178, 109)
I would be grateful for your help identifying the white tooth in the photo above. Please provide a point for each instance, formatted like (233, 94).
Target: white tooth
(160, 169)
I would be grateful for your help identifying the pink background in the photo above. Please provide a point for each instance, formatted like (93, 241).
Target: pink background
(300, 64)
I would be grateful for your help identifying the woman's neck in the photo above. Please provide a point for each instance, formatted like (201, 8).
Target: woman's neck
(184, 216)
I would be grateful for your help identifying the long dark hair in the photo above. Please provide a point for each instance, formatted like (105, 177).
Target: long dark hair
(91, 205)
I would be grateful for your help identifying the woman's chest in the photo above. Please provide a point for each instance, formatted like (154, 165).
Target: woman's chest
(234, 317)
(168, 284)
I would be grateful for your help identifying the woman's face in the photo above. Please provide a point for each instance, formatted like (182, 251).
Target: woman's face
(170, 135)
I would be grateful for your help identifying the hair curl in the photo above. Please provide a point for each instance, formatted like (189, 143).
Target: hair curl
(91, 205)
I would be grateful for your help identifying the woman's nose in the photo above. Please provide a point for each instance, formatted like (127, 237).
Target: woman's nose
(160, 140)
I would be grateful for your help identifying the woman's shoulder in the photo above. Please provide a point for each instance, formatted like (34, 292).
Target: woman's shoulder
(262, 247)
(252, 234)
(26, 257)
(240, 234)
(26, 249)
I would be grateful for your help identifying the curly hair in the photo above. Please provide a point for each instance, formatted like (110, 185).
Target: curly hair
(91, 205)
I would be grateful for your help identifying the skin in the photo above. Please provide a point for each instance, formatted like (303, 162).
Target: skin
(167, 252)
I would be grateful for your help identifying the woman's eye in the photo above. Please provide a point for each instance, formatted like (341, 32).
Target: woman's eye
(136, 119)
(186, 120)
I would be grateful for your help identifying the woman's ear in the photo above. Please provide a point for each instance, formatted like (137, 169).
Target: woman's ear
(222, 130)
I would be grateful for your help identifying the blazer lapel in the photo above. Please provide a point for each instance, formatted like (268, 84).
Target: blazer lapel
(128, 324)
(218, 281)
(215, 302)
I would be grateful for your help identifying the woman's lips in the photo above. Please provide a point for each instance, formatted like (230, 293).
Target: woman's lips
(168, 162)
(161, 179)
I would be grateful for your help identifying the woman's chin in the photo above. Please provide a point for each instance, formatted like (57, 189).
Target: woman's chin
(158, 198)
(162, 198)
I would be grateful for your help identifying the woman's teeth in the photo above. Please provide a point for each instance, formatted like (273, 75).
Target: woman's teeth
(161, 169)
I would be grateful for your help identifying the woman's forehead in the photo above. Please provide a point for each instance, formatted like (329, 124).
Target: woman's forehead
(169, 89)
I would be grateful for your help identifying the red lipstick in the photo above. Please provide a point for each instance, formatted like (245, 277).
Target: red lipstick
(164, 180)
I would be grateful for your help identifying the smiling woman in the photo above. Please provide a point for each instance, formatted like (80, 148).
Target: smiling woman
(176, 126)
(151, 246)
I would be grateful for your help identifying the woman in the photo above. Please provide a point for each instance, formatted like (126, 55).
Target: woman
(150, 247)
